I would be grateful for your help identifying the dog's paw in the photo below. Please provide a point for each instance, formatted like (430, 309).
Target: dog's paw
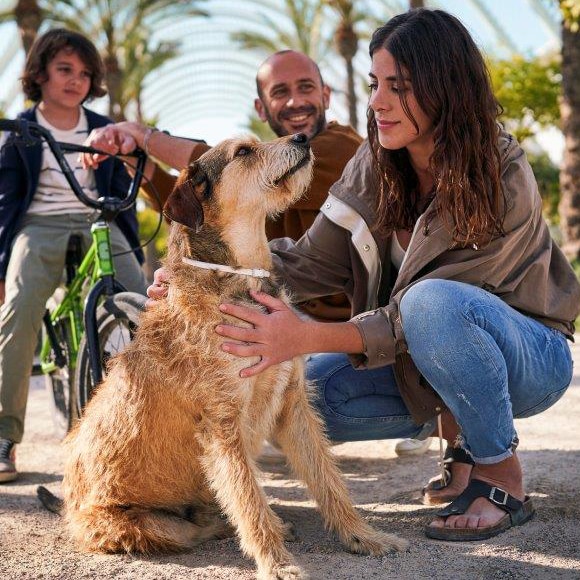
(284, 572)
(375, 543)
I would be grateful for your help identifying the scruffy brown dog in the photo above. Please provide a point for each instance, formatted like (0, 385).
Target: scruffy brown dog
(169, 440)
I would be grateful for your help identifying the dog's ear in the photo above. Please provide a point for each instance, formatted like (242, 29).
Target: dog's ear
(184, 204)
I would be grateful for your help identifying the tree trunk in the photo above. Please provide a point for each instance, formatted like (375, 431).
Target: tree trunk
(351, 93)
(346, 41)
(113, 76)
(28, 16)
(570, 169)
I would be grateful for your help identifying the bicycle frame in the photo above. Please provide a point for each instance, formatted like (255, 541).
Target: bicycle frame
(105, 285)
(96, 266)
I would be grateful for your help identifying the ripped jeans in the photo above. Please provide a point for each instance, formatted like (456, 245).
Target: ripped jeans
(488, 362)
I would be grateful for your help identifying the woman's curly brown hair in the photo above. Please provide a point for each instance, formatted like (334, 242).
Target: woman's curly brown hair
(46, 47)
(452, 86)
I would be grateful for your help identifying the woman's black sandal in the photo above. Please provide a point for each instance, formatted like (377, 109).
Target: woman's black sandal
(517, 513)
(452, 454)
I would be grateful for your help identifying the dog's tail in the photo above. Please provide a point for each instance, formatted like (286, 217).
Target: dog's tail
(132, 529)
(50, 501)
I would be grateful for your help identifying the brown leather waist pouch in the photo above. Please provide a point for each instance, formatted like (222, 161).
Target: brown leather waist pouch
(421, 400)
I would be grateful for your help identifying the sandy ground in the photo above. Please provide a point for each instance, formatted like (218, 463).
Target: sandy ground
(34, 544)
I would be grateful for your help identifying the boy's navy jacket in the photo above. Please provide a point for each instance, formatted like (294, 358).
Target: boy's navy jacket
(19, 173)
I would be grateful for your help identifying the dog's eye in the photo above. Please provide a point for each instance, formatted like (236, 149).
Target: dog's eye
(243, 151)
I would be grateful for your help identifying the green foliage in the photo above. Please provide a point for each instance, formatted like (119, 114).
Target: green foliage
(260, 129)
(148, 222)
(571, 14)
(528, 90)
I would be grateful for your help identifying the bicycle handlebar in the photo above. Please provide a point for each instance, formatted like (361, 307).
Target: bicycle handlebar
(32, 133)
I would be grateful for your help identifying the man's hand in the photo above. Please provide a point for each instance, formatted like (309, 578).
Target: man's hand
(157, 290)
(2, 292)
(121, 138)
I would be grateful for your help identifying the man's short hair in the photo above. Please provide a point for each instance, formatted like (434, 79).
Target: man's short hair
(281, 52)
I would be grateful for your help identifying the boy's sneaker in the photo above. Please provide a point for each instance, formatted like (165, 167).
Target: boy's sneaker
(7, 458)
(407, 447)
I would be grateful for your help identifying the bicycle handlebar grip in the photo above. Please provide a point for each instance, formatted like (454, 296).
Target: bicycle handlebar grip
(10, 125)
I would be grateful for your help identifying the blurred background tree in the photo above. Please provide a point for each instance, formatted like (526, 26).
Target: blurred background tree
(346, 42)
(570, 125)
(528, 90)
(298, 28)
(122, 31)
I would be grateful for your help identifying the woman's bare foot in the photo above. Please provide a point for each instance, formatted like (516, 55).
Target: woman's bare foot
(482, 513)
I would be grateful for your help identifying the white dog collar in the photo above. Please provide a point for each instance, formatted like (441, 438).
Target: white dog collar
(254, 272)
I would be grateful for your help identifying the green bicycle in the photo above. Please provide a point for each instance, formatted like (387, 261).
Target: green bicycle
(92, 317)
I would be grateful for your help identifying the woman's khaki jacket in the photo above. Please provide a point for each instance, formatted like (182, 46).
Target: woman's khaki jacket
(341, 253)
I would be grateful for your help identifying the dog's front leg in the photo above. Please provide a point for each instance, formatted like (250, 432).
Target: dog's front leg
(301, 436)
(231, 474)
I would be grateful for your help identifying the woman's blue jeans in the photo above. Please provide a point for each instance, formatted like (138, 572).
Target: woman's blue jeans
(488, 362)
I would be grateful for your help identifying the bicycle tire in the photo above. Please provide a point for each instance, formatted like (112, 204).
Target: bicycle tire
(117, 321)
(60, 383)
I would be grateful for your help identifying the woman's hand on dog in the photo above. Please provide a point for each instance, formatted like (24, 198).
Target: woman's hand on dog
(263, 339)
(281, 335)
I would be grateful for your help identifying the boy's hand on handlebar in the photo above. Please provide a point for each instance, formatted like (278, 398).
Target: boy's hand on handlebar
(157, 290)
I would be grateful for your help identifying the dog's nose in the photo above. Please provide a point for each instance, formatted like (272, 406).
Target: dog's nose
(300, 139)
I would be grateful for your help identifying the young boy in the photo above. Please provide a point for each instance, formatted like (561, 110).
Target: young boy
(39, 213)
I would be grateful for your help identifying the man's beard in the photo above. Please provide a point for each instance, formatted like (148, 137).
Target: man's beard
(281, 131)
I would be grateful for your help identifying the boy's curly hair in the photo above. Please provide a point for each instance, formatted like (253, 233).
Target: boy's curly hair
(46, 47)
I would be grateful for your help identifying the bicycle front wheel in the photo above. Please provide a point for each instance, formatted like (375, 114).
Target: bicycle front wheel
(117, 321)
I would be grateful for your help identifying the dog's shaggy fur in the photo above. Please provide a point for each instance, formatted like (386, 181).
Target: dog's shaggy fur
(169, 441)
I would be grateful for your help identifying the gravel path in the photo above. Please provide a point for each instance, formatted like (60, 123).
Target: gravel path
(34, 544)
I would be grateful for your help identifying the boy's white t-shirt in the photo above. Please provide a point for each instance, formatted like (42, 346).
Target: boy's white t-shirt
(53, 195)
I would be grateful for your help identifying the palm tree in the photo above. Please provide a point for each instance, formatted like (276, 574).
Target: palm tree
(140, 59)
(305, 18)
(122, 31)
(346, 41)
(570, 114)
(28, 16)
